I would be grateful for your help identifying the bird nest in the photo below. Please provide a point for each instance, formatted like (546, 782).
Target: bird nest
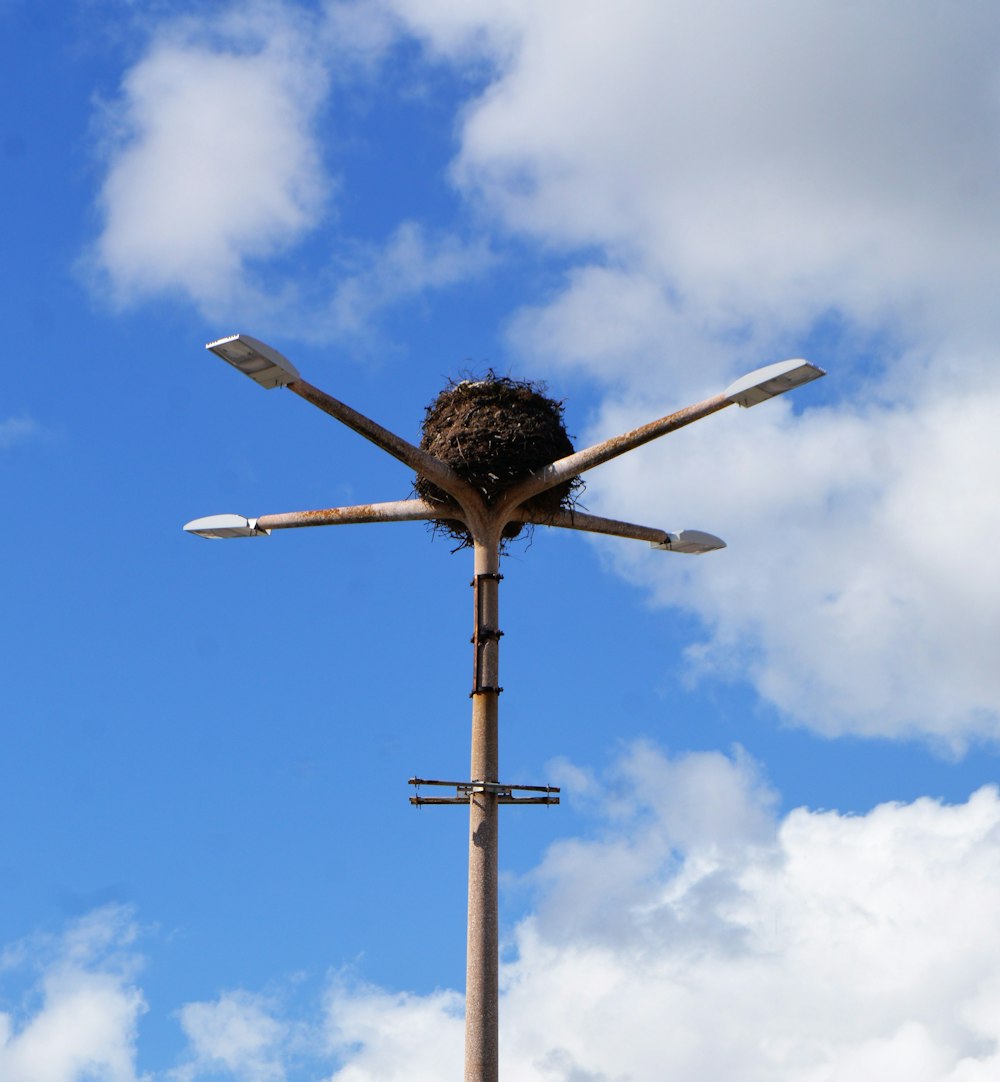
(494, 432)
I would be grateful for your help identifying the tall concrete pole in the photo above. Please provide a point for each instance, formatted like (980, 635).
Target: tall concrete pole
(482, 945)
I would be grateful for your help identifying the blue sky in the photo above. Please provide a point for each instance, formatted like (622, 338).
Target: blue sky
(778, 761)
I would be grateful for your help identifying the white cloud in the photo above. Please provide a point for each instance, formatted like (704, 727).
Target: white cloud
(858, 589)
(239, 1034)
(693, 935)
(389, 1036)
(85, 1024)
(764, 162)
(214, 163)
(824, 948)
(216, 169)
(743, 176)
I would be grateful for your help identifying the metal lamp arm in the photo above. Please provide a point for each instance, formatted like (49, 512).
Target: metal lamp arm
(577, 520)
(423, 463)
(565, 469)
(686, 541)
(224, 526)
(393, 511)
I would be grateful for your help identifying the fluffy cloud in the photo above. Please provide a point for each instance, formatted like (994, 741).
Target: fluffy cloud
(747, 178)
(822, 948)
(85, 1024)
(763, 162)
(239, 1034)
(691, 935)
(857, 592)
(215, 169)
(213, 162)
(387, 1036)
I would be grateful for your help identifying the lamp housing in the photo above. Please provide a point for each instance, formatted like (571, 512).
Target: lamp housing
(220, 527)
(255, 359)
(693, 542)
(764, 383)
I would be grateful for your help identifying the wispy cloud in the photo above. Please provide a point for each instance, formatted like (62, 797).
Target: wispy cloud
(411, 262)
(17, 430)
(238, 1034)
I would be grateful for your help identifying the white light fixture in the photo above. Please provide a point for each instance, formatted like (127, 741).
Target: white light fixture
(771, 381)
(694, 542)
(219, 527)
(257, 360)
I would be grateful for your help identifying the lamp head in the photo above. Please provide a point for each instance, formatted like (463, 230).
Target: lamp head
(255, 359)
(769, 382)
(218, 527)
(694, 542)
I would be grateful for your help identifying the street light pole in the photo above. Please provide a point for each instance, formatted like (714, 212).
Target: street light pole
(485, 523)
(482, 1004)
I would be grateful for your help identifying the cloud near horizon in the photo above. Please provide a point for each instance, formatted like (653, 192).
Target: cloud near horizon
(86, 1023)
(820, 947)
(694, 936)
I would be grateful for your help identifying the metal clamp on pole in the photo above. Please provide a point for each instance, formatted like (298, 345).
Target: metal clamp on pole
(482, 636)
(465, 790)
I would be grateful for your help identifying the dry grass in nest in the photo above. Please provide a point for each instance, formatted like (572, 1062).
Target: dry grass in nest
(493, 432)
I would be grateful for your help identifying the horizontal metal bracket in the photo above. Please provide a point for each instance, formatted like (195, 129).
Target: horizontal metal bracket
(465, 790)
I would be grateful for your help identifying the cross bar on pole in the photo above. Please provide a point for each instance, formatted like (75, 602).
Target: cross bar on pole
(464, 790)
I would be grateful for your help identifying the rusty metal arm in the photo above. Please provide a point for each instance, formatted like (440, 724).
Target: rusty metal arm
(565, 469)
(395, 511)
(577, 520)
(225, 526)
(754, 387)
(426, 465)
(686, 541)
(268, 368)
